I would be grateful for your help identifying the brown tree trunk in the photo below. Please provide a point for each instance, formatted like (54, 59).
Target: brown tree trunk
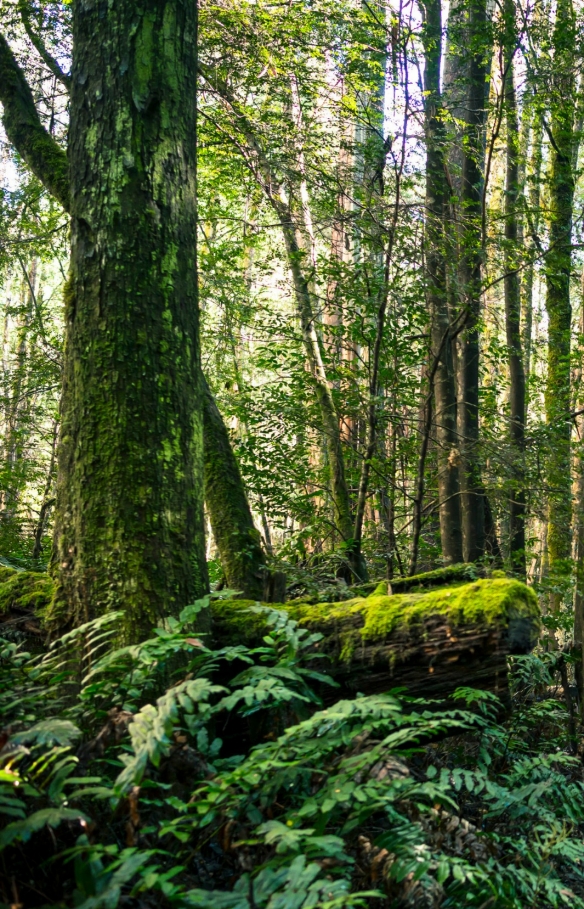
(435, 253)
(129, 529)
(470, 274)
(513, 303)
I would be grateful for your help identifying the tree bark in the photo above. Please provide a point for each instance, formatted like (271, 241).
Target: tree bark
(129, 529)
(216, 453)
(557, 270)
(513, 302)
(237, 539)
(470, 272)
(435, 253)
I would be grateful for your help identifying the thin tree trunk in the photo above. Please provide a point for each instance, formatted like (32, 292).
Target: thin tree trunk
(19, 402)
(557, 267)
(533, 220)
(513, 303)
(435, 251)
(48, 501)
(298, 244)
(470, 270)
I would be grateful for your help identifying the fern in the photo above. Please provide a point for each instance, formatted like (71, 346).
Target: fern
(152, 728)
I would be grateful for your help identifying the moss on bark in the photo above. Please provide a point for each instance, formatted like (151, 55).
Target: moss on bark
(237, 539)
(493, 601)
(129, 514)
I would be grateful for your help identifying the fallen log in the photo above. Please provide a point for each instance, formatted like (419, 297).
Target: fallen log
(428, 641)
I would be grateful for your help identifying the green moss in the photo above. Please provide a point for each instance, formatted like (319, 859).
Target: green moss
(485, 602)
(234, 623)
(25, 590)
(450, 574)
(381, 589)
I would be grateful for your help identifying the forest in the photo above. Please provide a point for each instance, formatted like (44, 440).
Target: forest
(292, 454)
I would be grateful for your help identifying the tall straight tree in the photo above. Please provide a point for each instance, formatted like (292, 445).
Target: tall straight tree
(435, 254)
(513, 298)
(557, 272)
(477, 71)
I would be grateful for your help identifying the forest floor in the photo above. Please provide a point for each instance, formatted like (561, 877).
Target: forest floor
(179, 773)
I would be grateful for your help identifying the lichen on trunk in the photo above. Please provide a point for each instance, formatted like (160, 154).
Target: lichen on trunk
(129, 516)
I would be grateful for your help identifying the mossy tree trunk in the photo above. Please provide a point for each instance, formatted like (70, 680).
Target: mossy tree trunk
(470, 273)
(227, 505)
(435, 237)
(129, 518)
(557, 270)
(237, 539)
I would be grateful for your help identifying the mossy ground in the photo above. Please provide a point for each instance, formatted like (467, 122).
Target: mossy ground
(24, 590)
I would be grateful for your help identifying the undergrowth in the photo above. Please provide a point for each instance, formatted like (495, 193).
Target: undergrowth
(169, 774)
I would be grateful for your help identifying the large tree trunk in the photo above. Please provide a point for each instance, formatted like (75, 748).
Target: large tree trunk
(18, 110)
(513, 303)
(129, 529)
(557, 267)
(441, 342)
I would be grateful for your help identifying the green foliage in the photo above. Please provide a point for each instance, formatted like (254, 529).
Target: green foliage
(376, 798)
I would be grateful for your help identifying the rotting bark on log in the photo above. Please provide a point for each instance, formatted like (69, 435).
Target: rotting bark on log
(431, 659)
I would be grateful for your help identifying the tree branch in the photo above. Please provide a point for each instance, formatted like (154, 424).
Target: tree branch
(38, 44)
(24, 129)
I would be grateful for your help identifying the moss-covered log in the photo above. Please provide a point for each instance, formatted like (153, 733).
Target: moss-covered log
(430, 642)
